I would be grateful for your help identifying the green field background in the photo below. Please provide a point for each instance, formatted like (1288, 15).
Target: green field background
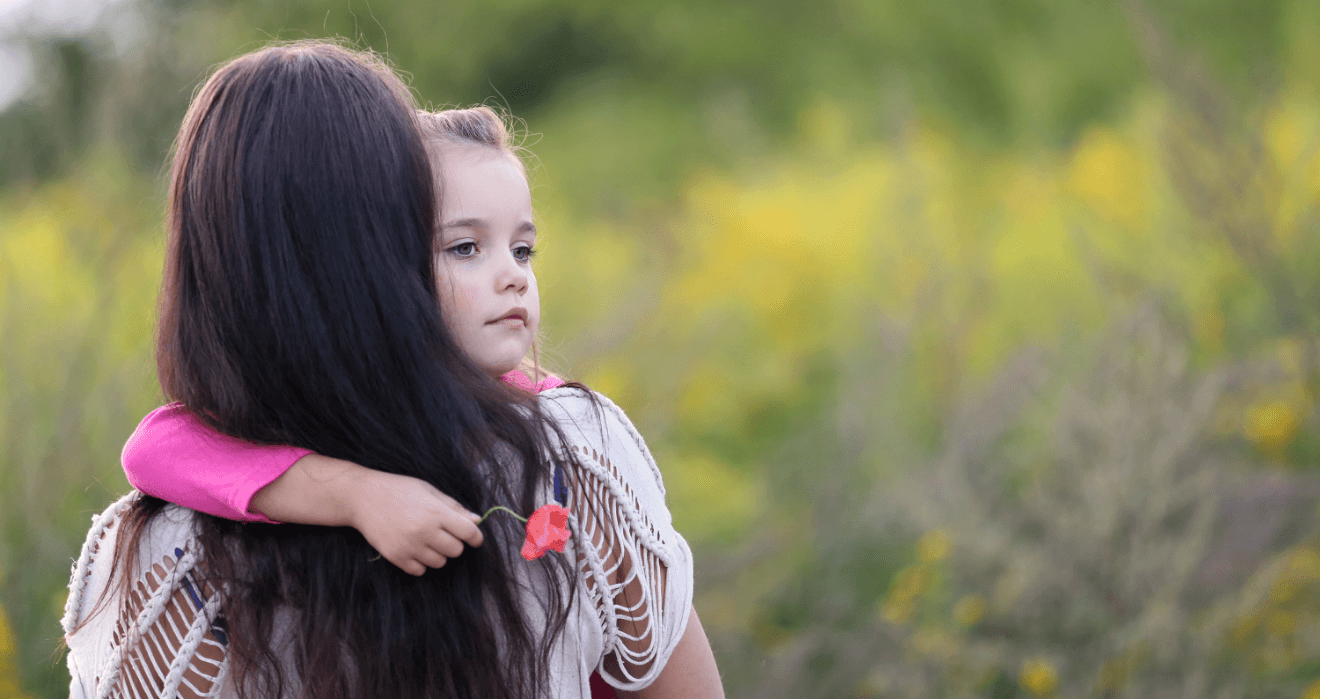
(977, 342)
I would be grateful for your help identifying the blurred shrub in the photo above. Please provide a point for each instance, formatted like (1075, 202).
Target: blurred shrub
(9, 676)
(77, 283)
(1130, 514)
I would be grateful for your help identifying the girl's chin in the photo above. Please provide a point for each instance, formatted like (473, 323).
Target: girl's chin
(498, 369)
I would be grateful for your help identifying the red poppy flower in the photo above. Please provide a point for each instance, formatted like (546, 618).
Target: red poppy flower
(546, 529)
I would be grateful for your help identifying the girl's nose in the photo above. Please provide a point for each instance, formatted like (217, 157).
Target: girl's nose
(512, 275)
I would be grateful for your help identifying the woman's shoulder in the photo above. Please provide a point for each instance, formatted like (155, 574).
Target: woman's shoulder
(637, 566)
(166, 607)
(165, 538)
(590, 421)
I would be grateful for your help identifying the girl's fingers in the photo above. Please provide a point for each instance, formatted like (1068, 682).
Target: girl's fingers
(465, 525)
(445, 544)
(415, 568)
(465, 529)
(432, 558)
(452, 503)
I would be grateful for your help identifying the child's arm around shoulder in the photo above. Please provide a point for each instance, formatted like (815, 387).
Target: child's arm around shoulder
(175, 457)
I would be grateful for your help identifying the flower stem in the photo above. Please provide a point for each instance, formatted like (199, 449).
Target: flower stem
(501, 507)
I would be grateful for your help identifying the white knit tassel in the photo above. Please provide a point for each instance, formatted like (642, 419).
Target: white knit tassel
(637, 439)
(221, 677)
(150, 612)
(605, 609)
(110, 673)
(82, 567)
(625, 503)
(191, 642)
(627, 537)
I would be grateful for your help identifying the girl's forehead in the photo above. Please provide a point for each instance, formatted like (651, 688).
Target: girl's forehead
(483, 187)
(463, 152)
(459, 168)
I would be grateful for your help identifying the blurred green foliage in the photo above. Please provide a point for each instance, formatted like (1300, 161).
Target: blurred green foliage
(914, 301)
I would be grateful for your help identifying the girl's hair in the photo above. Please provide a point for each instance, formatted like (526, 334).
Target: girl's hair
(299, 306)
(477, 126)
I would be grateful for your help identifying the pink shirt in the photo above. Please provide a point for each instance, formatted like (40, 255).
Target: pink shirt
(173, 456)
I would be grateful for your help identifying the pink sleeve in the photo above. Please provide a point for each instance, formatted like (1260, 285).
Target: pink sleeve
(549, 382)
(518, 379)
(175, 457)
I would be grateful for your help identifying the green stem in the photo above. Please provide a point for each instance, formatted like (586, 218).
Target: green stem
(501, 507)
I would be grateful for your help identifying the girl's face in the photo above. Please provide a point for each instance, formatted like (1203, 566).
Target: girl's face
(485, 273)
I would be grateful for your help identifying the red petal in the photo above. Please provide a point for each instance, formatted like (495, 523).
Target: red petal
(547, 528)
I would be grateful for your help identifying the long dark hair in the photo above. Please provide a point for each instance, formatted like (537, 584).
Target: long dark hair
(299, 306)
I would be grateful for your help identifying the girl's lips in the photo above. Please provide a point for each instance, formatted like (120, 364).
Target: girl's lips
(511, 321)
(517, 315)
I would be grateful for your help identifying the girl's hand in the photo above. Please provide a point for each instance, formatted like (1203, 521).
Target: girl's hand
(412, 525)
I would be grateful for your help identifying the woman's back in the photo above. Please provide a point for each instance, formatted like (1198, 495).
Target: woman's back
(630, 609)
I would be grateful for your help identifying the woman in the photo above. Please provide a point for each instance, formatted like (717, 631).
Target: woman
(300, 307)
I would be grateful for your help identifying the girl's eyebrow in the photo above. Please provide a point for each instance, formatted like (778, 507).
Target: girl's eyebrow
(466, 223)
(480, 223)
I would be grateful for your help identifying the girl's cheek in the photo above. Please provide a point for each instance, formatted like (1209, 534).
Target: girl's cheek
(467, 304)
(462, 293)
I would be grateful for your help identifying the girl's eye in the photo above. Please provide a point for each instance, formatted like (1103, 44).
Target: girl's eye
(464, 249)
(523, 253)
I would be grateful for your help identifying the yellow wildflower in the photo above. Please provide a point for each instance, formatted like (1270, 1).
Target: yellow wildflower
(896, 612)
(933, 546)
(969, 610)
(1271, 424)
(9, 684)
(1279, 623)
(1039, 678)
(1284, 590)
(1304, 564)
(1109, 174)
(909, 583)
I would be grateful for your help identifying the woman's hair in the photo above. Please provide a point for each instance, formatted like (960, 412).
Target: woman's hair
(299, 306)
(477, 126)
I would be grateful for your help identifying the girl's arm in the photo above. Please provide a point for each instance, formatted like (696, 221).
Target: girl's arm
(411, 523)
(173, 456)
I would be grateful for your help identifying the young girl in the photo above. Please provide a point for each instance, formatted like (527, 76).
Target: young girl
(488, 287)
(412, 525)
